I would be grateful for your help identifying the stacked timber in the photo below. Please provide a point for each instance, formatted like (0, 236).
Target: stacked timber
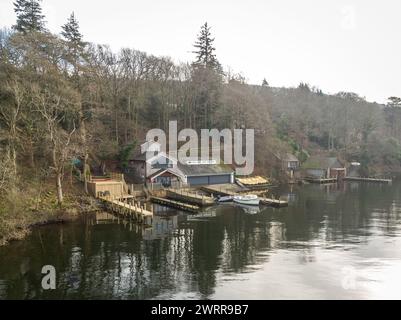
(255, 182)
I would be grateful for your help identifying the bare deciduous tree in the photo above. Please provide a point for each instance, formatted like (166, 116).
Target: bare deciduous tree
(11, 111)
(52, 107)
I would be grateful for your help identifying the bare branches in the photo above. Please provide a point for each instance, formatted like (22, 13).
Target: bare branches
(58, 107)
(10, 115)
(6, 173)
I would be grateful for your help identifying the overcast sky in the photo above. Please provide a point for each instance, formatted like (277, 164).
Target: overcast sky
(337, 45)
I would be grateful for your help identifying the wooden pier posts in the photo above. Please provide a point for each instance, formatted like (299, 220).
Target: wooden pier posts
(135, 211)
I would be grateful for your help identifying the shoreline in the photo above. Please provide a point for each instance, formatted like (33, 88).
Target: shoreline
(70, 212)
(67, 214)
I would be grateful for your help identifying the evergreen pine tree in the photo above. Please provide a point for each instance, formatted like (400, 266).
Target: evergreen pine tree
(29, 16)
(205, 55)
(74, 54)
(265, 83)
(75, 45)
(71, 32)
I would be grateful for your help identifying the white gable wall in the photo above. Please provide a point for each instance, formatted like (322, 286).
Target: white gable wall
(160, 161)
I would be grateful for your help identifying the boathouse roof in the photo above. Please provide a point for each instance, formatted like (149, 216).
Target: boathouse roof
(322, 162)
(289, 157)
(202, 169)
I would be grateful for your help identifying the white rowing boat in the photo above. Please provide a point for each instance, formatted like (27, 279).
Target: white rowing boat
(225, 199)
(249, 199)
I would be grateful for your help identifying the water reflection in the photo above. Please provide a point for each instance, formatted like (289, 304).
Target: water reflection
(228, 251)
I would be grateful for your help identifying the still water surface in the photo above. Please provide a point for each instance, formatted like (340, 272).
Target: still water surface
(332, 242)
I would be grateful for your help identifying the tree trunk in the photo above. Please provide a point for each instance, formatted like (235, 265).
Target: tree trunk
(32, 154)
(59, 171)
(13, 139)
(85, 172)
(59, 188)
(328, 141)
(86, 155)
(14, 160)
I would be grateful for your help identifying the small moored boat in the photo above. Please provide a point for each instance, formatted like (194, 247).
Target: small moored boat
(249, 199)
(225, 199)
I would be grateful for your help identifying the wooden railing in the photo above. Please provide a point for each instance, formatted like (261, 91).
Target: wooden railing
(112, 176)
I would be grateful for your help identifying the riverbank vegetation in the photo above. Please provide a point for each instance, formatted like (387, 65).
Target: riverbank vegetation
(34, 202)
(66, 103)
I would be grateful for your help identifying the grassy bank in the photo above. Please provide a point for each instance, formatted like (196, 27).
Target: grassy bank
(35, 203)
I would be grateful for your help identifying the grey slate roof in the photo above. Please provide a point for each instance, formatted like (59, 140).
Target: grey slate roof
(289, 157)
(321, 162)
(285, 156)
(205, 169)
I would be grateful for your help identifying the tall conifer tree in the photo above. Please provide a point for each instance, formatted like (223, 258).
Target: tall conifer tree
(29, 16)
(71, 31)
(205, 51)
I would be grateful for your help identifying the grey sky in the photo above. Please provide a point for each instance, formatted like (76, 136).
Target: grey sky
(349, 45)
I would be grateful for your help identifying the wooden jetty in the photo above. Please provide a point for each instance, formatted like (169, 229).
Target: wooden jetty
(277, 203)
(131, 211)
(361, 179)
(320, 180)
(175, 204)
(190, 197)
(224, 189)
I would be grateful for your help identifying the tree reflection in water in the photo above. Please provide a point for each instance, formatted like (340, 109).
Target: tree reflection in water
(103, 257)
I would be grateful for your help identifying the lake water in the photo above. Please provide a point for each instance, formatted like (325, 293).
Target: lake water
(333, 242)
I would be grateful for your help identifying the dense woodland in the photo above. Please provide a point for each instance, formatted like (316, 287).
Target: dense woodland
(63, 99)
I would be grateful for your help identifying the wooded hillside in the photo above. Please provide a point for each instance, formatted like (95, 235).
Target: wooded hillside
(63, 99)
